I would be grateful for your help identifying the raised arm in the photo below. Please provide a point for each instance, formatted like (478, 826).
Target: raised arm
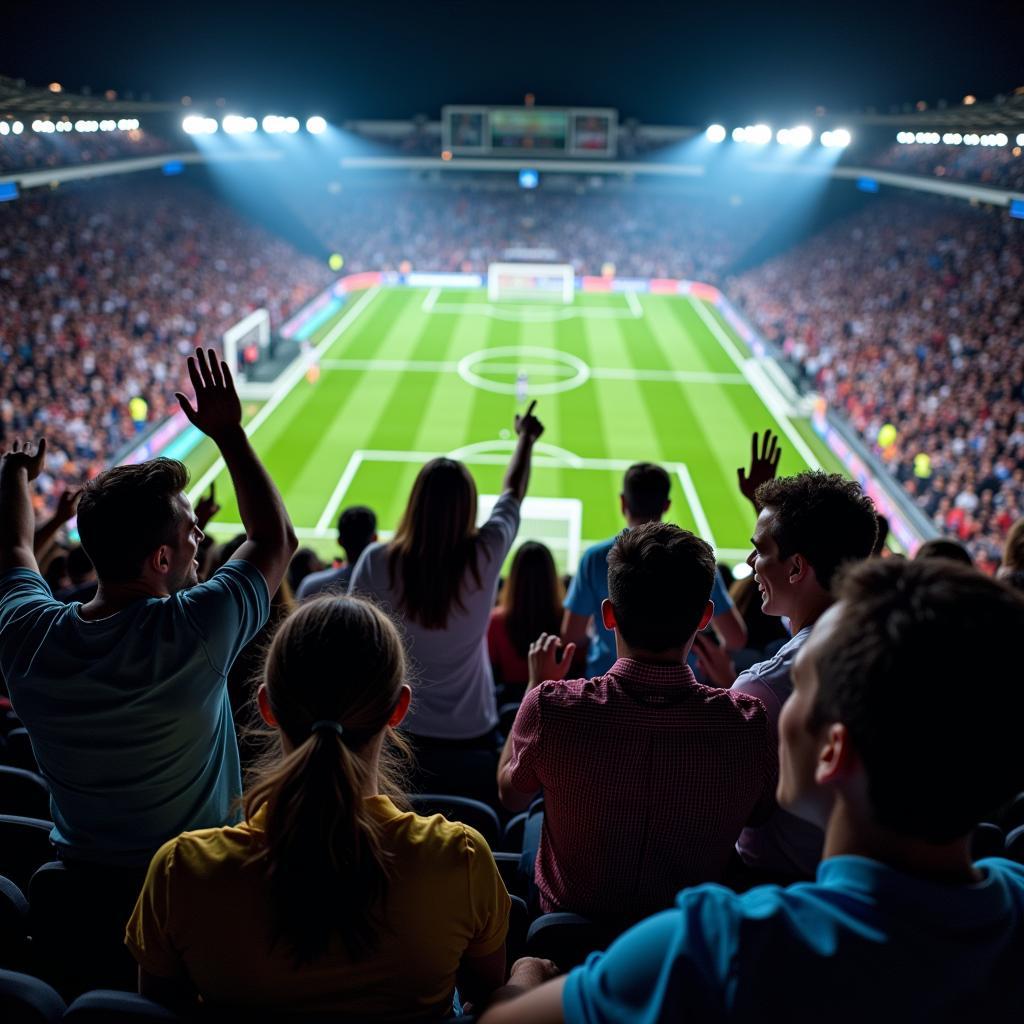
(528, 429)
(18, 468)
(45, 532)
(270, 539)
(763, 467)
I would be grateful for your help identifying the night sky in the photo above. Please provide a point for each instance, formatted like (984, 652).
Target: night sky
(674, 63)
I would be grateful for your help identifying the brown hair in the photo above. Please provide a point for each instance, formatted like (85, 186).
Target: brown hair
(336, 660)
(1013, 553)
(532, 597)
(127, 512)
(435, 543)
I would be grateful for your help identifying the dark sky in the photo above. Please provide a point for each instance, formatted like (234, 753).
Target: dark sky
(677, 63)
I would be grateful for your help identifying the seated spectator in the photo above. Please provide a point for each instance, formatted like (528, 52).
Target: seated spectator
(648, 775)
(357, 530)
(898, 780)
(808, 526)
(304, 563)
(943, 547)
(762, 629)
(327, 898)
(530, 604)
(644, 499)
(440, 574)
(124, 697)
(81, 578)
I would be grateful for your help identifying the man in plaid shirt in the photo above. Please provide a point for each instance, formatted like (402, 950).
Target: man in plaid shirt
(648, 776)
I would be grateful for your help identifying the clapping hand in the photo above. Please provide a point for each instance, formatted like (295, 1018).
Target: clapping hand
(548, 658)
(763, 467)
(22, 456)
(218, 410)
(527, 425)
(206, 509)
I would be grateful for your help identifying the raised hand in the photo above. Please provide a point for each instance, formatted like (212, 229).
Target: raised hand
(206, 509)
(714, 661)
(548, 658)
(528, 425)
(67, 504)
(218, 410)
(763, 467)
(25, 456)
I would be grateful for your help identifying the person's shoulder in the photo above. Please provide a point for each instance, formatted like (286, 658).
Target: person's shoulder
(324, 581)
(200, 853)
(22, 582)
(570, 693)
(741, 700)
(432, 838)
(598, 552)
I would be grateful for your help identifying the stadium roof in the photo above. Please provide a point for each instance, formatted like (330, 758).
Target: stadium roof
(18, 98)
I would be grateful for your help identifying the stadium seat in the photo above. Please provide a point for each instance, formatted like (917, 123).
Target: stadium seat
(9, 721)
(23, 793)
(459, 808)
(14, 927)
(567, 939)
(24, 846)
(1015, 845)
(1013, 816)
(508, 867)
(27, 1000)
(106, 1006)
(470, 773)
(78, 915)
(506, 716)
(19, 750)
(988, 841)
(518, 929)
(515, 827)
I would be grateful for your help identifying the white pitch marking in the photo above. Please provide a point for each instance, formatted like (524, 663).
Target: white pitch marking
(693, 500)
(397, 365)
(634, 305)
(290, 378)
(430, 300)
(347, 476)
(759, 382)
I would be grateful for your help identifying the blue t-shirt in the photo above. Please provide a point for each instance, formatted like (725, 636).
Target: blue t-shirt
(590, 587)
(129, 715)
(862, 942)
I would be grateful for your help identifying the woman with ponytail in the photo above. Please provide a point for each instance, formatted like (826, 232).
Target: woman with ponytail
(329, 897)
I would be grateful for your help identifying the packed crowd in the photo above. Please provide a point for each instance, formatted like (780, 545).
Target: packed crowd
(752, 843)
(103, 288)
(909, 315)
(39, 151)
(994, 166)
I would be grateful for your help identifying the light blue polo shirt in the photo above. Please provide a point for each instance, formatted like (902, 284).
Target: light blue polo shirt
(863, 942)
(589, 588)
(129, 715)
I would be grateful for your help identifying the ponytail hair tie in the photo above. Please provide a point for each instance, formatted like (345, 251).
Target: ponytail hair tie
(327, 723)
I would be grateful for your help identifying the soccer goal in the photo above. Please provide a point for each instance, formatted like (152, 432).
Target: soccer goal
(548, 282)
(247, 342)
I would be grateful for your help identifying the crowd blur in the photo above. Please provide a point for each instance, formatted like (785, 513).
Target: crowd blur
(908, 315)
(38, 151)
(994, 166)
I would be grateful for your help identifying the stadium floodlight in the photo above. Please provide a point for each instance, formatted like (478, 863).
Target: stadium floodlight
(739, 135)
(782, 136)
(799, 136)
(128, 124)
(1001, 139)
(273, 124)
(17, 128)
(1020, 139)
(836, 138)
(715, 133)
(291, 125)
(108, 126)
(971, 140)
(316, 125)
(5, 128)
(236, 124)
(197, 124)
(759, 134)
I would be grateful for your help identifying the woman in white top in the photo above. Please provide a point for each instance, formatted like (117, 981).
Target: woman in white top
(439, 576)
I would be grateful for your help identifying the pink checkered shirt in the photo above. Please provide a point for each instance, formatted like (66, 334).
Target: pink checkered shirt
(648, 779)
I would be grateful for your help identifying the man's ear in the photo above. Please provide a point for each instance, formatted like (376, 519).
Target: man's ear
(799, 568)
(709, 614)
(837, 759)
(668, 505)
(160, 560)
(608, 614)
(263, 702)
(404, 696)
(622, 506)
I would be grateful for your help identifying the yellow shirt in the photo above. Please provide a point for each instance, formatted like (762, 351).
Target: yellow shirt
(203, 914)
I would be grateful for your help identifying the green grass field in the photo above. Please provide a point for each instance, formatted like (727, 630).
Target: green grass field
(407, 374)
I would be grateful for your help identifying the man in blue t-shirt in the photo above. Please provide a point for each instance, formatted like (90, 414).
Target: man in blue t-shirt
(125, 697)
(889, 746)
(644, 499)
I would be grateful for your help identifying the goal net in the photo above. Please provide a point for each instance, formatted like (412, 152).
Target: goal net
(247, 342)
(549, 282)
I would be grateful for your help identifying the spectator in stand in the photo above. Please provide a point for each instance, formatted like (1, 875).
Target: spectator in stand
(648, 776)
(1013, 552)
(898, 783)
(943, 547)
(332, 898)
(82, 581)
(440, 575)
(644, 499)
(304, 563)
(809, 525)
(138, 672)
(530, 604)
(357, 530)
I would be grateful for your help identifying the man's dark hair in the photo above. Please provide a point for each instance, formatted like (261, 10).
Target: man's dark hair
(822, 516)
(902, 673)
(659, 582)
(943, 547)
(645, 488)
(127, 512)
(356, 527)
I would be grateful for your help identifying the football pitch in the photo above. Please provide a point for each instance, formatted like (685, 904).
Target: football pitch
(406, 374)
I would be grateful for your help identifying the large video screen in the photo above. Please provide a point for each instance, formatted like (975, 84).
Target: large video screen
(529, 131)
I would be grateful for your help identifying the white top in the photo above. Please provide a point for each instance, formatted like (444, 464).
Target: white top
(453, 685)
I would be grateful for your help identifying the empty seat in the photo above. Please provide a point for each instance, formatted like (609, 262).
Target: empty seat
(567, 939)
(23, 793)
(27, 1000)
(19, 750)
(24, 846)
(14, 927)
(987, 841)
(1015, 845)
(459, 808)
(109, 1007)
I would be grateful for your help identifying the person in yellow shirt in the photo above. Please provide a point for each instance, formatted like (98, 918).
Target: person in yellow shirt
(329, 897)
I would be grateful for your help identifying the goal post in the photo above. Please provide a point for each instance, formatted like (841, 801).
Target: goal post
(548, 282)
(247, 341)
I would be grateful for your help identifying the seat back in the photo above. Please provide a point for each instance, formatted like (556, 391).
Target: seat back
(1015, 845)
(460, 808)
(107, 1006)
(24, 846)
(567, 939)
(27, 1000)
(14, 927)
(19, 750)
(23, 793)
(987, 841)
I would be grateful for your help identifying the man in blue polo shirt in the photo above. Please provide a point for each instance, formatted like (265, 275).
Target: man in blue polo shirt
(881, 745)
(125, 697)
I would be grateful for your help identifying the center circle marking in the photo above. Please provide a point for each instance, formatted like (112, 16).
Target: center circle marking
(559, 361)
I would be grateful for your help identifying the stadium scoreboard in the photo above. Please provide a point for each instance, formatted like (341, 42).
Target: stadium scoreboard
(529, 131)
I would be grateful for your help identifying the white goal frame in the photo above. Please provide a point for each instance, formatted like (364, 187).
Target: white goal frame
(259, 321)
(562, 271)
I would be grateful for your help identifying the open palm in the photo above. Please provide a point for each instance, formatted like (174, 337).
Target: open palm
(218, 409)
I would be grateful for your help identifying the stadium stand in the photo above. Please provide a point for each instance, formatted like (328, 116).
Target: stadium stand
(995, 167)
(36, 151)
